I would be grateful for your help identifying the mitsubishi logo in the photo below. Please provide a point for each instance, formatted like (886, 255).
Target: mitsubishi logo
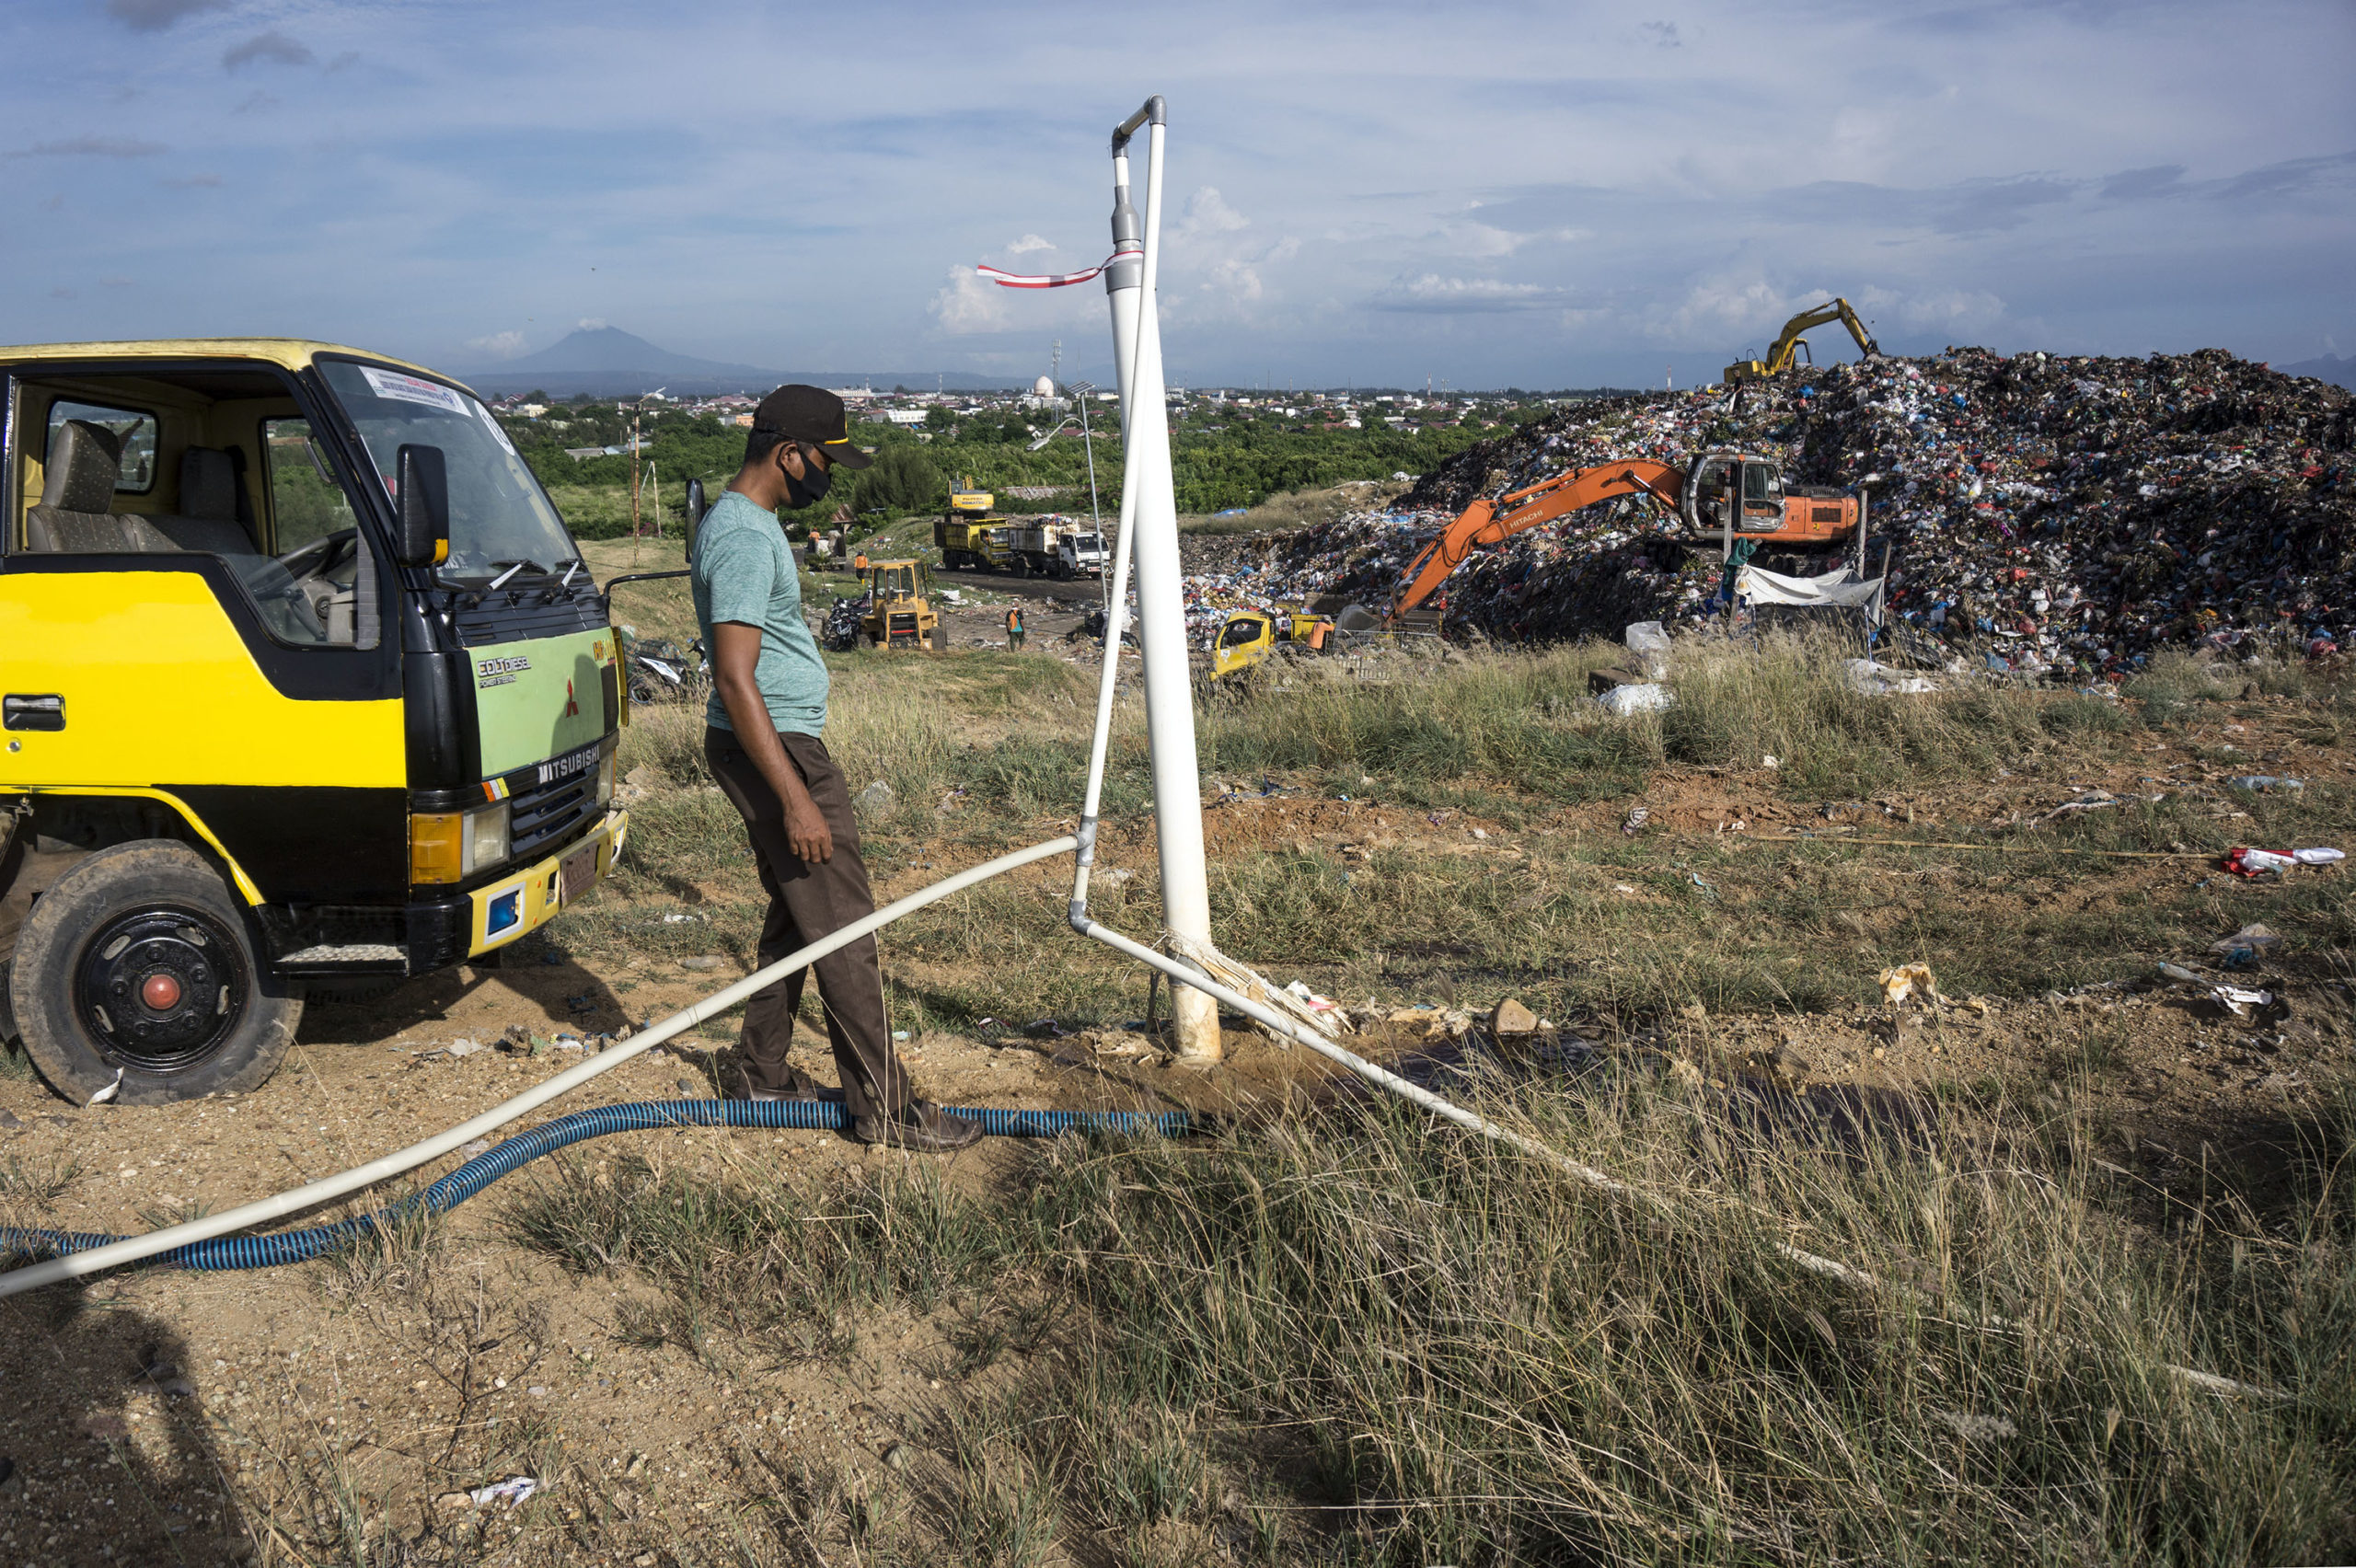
(571, 704)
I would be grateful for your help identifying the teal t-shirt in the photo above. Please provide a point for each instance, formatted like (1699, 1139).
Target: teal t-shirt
(743, 571)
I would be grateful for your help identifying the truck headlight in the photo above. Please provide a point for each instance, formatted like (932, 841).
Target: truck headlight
(448, 847)
(605, 781)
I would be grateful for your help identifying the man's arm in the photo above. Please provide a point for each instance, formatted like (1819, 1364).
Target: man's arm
(738, 651)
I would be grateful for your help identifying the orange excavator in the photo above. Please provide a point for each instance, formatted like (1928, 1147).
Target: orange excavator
(1726, 493)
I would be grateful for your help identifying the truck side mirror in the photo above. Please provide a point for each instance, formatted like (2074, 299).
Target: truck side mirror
(695, 510)
(422, 481)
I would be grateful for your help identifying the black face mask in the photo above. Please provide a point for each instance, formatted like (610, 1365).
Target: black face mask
(810, 490)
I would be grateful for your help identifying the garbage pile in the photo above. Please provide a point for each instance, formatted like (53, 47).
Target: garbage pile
(2046, 514)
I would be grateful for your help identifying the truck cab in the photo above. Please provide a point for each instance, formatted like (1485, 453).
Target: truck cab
(306, 687)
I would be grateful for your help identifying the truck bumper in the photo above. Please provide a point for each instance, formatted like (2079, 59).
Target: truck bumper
(523, 901)
(452, 930)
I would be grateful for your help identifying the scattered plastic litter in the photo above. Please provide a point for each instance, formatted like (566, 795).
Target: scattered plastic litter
(1880, 680)
(2244, 861)
(1644, 698)
(1909, 980)
(109, 1091)
(2262, 783)
(2246, 946)
(515, 1490)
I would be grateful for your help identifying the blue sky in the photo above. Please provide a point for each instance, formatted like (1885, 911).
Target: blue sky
(1541, 194)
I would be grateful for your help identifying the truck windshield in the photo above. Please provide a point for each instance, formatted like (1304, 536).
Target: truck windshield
(500, 518)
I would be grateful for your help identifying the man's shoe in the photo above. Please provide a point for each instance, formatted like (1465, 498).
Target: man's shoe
(934, 1131)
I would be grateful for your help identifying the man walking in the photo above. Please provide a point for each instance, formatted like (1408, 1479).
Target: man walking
(1014, 629)
(767, 713)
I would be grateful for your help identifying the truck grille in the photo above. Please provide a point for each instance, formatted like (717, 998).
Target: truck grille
(541, 814)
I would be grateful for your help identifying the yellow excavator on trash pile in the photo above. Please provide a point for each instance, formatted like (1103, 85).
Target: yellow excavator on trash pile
(1789, 341)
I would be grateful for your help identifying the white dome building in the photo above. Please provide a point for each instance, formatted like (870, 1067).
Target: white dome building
(1042, 387)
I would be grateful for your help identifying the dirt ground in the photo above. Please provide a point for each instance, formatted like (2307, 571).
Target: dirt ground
(298, 1415)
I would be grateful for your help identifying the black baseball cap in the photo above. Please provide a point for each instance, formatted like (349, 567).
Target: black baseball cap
(813, 415)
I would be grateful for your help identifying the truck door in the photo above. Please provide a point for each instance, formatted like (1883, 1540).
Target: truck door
(204, 651)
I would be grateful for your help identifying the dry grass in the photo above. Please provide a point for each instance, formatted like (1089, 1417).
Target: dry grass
(1352, 1340)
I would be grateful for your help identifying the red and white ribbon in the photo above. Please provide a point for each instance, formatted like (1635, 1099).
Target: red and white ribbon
(1007, 280)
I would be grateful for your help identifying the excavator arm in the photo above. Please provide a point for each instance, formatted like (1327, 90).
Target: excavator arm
(1487, 522)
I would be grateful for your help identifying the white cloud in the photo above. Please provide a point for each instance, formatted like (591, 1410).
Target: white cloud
(1208, 213)
(1433, 293)
(1937, 311)
(970, 302)
(499, 345)
(591, 324)
(1029, 243)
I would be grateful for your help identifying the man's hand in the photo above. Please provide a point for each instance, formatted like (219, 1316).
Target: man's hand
(735, 653)
(805, 829)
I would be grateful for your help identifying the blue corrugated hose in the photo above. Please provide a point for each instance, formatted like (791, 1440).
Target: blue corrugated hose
(809, 1115)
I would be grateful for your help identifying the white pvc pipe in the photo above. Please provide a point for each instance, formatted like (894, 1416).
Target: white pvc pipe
(132, 1248)
(1161, 638)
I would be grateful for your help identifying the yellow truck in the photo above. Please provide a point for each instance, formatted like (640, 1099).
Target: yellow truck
(304, 686)
(968, 536)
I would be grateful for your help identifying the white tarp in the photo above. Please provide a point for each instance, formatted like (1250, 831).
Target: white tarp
(1841, 589)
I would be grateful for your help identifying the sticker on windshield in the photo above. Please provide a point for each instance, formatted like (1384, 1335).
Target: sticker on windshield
(414, 390)
(497, 433)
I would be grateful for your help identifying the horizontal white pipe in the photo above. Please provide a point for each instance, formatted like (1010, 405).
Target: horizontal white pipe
(133, 1248)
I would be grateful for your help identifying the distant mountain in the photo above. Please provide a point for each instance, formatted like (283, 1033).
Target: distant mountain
(2330, 367)
(606, 362)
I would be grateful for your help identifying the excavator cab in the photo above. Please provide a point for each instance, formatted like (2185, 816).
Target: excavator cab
(1743, 493)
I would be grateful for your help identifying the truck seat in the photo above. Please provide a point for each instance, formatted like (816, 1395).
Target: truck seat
(77, 485)
(207, 519)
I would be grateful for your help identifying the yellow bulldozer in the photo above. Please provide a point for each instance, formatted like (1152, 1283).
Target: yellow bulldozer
(899, 607)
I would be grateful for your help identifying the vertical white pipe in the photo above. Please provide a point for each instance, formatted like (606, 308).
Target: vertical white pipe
(1161, 638)
(1122, 281)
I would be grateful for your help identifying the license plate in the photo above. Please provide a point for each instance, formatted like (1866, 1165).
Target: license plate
(576, 873)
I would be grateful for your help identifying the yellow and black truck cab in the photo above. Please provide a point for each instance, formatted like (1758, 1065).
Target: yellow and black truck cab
(306, 687)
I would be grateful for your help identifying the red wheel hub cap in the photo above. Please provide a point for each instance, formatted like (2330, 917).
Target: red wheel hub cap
(160, 991)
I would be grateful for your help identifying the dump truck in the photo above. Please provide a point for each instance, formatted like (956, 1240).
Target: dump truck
(898, 612)
(973, 545)
(968, 535)
(309, 690)
(1056, 547)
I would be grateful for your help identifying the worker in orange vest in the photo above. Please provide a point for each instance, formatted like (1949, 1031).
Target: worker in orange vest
(1015, 627)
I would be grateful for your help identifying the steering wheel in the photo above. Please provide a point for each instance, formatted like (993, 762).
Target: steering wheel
(322, 555)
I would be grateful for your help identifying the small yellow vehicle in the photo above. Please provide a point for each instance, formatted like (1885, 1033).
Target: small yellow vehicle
(1248, 637)
(899, 611)
(308, 689)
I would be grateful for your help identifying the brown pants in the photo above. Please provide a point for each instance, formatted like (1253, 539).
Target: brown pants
(807, 902)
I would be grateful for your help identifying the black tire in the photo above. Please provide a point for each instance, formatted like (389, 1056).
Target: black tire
(151, 914)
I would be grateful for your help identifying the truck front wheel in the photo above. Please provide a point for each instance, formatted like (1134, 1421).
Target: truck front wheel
(139, 961)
